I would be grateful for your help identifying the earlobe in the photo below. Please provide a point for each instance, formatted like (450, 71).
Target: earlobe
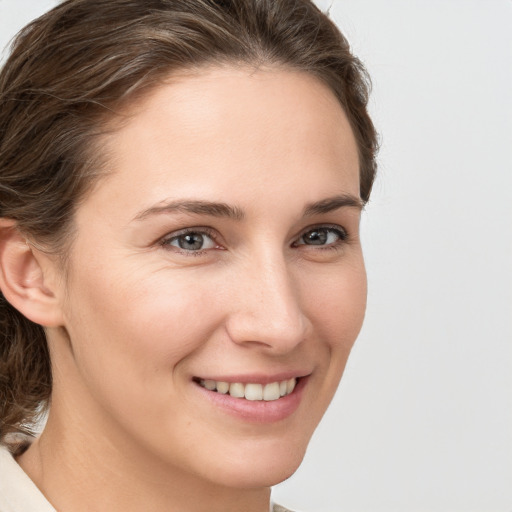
(24, 277)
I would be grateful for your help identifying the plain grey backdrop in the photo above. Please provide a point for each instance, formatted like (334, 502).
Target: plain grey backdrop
(423, 418)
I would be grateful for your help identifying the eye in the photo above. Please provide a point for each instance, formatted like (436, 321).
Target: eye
(190, 241)
(323, 236)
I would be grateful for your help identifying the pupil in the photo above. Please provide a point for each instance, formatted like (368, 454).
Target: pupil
(191, 241)
(316, 237)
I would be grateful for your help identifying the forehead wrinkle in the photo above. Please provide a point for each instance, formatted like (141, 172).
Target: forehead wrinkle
(210, 208)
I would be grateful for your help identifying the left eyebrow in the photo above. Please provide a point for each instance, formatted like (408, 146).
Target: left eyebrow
(333, 203)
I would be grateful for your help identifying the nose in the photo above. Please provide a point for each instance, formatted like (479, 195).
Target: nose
(266, 306)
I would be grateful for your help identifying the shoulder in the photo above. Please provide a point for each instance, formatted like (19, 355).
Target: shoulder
(17, 492)
(279, 508)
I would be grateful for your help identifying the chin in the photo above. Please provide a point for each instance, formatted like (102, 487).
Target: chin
(261, 467)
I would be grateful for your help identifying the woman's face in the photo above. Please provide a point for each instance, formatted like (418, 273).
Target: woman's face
(220, 257)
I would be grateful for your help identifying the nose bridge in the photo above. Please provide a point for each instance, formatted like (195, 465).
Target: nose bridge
(269, 308)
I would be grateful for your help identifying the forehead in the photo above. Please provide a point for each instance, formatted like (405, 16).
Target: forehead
(228, 129)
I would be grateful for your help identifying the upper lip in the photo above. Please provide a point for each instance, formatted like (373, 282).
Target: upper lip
(255, 378)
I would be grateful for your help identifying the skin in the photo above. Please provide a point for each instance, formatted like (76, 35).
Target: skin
(139, 318)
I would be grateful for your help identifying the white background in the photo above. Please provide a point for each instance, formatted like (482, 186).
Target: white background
(423, 419)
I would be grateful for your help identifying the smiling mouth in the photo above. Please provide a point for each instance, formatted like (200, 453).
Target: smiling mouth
(251, 391)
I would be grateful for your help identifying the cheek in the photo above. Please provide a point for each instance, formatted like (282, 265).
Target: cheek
(337, 302)
(131, 339)
(337, 305)
(142, 323)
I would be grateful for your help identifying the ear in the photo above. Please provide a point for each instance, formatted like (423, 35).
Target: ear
(26, 277)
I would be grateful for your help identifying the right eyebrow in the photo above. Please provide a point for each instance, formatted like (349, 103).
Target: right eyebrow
(197, 207)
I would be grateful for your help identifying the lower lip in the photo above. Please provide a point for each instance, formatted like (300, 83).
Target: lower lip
(257, 411)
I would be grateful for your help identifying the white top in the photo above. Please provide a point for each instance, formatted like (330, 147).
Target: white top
(17, 492)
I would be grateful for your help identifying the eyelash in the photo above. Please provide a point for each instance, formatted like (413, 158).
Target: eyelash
(339, 231)
(166, 241)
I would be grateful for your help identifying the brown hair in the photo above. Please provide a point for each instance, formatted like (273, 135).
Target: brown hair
(73, 67)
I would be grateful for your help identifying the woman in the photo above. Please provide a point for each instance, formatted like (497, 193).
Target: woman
(181, 273)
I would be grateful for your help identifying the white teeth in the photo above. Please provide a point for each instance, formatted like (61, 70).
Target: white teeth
(271, 391)
(251, 391)
(222, 387)
(210, 384)
(237, 390)
(254, 392)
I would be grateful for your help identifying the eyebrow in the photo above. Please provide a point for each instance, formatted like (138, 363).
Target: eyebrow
(210, 208)
(216, 209)
(333, 203)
